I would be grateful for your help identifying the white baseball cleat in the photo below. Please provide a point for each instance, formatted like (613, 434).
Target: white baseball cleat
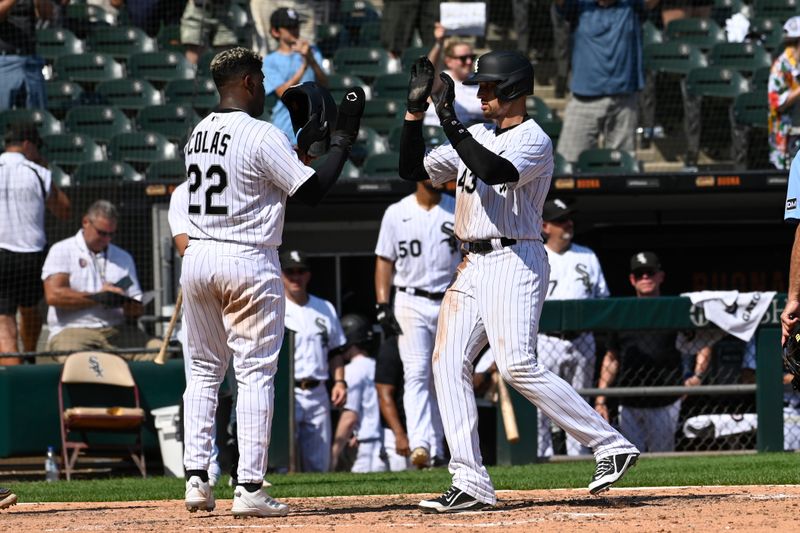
(7, 498)
(199, 495)
(609, 470)
(257, 503)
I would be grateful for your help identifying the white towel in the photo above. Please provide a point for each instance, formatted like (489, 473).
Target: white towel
(737, 27)
(737, 313)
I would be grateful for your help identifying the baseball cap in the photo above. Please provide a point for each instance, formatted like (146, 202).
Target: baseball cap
(645, 260)
(17, 132)
(791, 29)
(293, 259)
(284, 17)
(556, 209)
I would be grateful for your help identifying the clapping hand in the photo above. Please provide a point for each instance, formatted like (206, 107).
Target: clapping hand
(420, 85)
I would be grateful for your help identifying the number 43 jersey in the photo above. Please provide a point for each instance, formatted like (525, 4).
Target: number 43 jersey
(420, 243)
(240, 171)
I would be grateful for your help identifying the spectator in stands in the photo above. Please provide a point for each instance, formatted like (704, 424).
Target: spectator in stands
(389, 383)
(607, 73)
(784, 99)
(295, 61)
(149, 15)
(26, 190)
(206, 23)
(647, 359)
(306, 9)
(401, 17)
(458, 60)
(92, 290)
(21, 79)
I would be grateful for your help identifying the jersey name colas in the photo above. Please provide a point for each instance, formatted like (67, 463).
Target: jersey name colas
(199, 143)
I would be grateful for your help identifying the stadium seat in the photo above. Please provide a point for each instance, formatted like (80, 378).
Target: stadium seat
(88, 69)
(538, 109)
(744, 57)
(606, 161)
(391, 86)
(771, 32)
(552, 128)
(71, 149)
(381, 165)
(722, 10)
(59, 177)
(160, 67)
(98, 122)
(369, 33)
(52, 43)
(104, 171)
(141, 148)
(62, 95)
(169, 38)
(749, 146)
(46, 123)
(651, 34)
(82, 18)
(780, 10)
(716, 82)
(173, 121)
(561, 167)
(383, 114)
(121, 42)
(204, 63)
(167, 170)
(367, 143)
(352, 14)
(200, 93)
(752, 108)
(129, 94)
(760, 79)
(411, 54)
(433, 135)
(361, 61)
(704, 33)
(337, 83)
(673, 57)
(243, 24)
(349, 170)
(329, 38)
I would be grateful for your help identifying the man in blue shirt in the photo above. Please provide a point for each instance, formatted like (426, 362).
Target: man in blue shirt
(295, 61)
(607, 73)
(791, 214)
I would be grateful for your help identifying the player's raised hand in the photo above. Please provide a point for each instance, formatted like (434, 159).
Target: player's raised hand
(348, 120)
(420, 85)
(444, 102)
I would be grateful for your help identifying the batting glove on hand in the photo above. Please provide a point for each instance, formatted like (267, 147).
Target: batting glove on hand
(444, 101)
(386, 319)
(348, 120)
(420, 85)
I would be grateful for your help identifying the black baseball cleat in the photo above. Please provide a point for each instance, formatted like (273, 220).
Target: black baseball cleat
(609, 470)
(454, 500)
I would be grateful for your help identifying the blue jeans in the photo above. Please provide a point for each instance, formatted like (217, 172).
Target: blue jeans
(22, 82)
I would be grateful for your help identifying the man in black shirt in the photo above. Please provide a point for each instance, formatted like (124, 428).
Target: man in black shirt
(389, 382)
(21, 79)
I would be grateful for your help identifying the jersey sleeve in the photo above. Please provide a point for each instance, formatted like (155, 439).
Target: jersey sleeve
(533, 159)
(388, 366)
(355, 388)
(178, 214)
(385, 246)
(337, 338)
(279, 162)
(441, 164)
(790, 211)
(600, 286)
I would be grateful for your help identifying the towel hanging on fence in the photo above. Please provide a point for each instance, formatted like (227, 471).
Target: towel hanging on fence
(737, 313)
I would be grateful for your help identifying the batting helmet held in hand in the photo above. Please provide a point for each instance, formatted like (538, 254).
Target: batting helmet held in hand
(357, 329)
(510, 69)
(313, 113)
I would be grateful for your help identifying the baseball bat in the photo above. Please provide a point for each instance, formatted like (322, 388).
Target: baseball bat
(507, 410)
(161, 358)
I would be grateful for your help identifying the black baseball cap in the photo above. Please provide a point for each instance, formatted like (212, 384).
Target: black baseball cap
(645, 261)
(556, 209)
(293, 259)
(18, 132)
(284, 17)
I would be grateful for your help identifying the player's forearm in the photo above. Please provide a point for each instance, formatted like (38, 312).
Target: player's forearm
(794, 269)
(321, 78)
(67, 298)
(5, 8)
(388, 408)
(294, 80)
(608, 373)
(181, 241)
(384, 270)
(344, 430)
(59, 204)
(702, 362)
(336, 364)
(486, 165)
(412, 149)
(315, 187)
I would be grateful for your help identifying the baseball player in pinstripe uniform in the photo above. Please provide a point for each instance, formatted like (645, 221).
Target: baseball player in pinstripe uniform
(240, 172)
(417, 254)
(575, 274)
(502, 176)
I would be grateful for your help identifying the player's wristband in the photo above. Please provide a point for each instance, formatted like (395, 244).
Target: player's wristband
(340, 381)
(455, 131)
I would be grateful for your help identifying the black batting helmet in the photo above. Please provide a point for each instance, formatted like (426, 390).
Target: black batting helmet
(313, 113)
(357, 329)
(510, 69)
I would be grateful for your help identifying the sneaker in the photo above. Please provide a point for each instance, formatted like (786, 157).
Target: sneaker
(7, 498)
(610, 470)
(199, 495)
(257, 503)
(420, 457)
(454, 500)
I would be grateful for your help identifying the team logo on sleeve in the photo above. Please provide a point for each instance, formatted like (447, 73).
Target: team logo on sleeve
(450, 236)
(323, 331)
(791, 203)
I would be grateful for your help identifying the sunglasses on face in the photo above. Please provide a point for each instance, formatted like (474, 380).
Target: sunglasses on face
(639, 274)
(465, 58)
(104, 234)
(294, 271)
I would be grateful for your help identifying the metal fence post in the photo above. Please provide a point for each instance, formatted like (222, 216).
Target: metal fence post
(769, 391)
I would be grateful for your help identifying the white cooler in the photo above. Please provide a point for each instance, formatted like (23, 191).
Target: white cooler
(167, 421)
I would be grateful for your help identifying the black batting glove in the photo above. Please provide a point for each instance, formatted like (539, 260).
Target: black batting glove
(348, 119)
(420, 85)
(385, 315)
(453, 128)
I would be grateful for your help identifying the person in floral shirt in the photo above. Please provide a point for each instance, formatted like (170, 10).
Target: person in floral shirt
(784, 91)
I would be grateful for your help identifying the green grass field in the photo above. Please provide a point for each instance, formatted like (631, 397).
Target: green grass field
(761, 469)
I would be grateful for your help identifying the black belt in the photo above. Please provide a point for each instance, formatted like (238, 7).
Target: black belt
(484, 247)
(306, 384)
(419, 292)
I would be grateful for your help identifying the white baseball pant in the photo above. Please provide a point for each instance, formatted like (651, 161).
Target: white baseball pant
(312, 419)
(370, 458)
(651, 429)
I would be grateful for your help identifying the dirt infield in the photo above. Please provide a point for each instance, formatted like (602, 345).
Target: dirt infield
(756, 508)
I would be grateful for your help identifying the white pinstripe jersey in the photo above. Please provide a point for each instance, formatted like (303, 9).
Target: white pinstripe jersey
(178, 215)
(512, 210)
(424, 256)
(317, 332)
(240, 171)
(575, 274)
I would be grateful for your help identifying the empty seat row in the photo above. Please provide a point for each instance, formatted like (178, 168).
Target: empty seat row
(166, 170)
(138, 148)
(706, 32)
(679, 57)
(156, 67)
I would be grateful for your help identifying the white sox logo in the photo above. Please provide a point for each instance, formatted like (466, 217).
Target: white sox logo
(583, 276)
(323, 331)
(94, 364)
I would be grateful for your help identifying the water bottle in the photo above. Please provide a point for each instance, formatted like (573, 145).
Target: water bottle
(50, 465)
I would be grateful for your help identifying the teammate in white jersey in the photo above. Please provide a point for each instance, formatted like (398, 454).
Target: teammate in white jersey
(417, 254)
(575, 274)
(502, 177)
(240, 172)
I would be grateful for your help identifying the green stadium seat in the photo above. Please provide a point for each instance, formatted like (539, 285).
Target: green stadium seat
(383, 114)
(704, 33)
(141, 148)
(353, 14)
(744, 57)
(338, 83)
(369, 33)
(169, 38)
(381, 165)
(243, 24)
(88, 69)
(651, 34)
(776, 9)
(771, 31)
(716, 82)
(433, 135)
(200, 93)
(722, 10)
(167, 170)
(538, 109)
(552, 128)
(129, 94)
(81, 19)
(62, 95)
(52, 43)
(349, 170)
(71, 149)
(411, 54)
(329, 37)
(606, 161)
(367, 143)
(674, 57)
(46, 123)
(366, 62)
(204, 63)
(752, 109)
(561, 167)
(760, 79)
(59, 177)
(391, 86)
(99, 122)
(160, 67)
(105, 171)
(121, 42)
(173, 121)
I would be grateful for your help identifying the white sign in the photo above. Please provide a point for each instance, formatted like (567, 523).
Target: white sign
(463, 18)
